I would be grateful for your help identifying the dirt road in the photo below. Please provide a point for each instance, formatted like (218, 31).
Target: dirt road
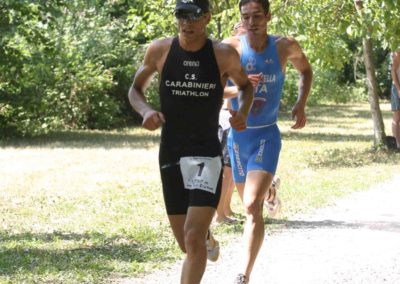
(355, 241)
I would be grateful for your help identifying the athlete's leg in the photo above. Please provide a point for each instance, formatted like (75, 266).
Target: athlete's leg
(176, 201)
(220, 213)
(396, 126)
(224, 210)
(229, 191)
(177, 223)
(197, 223)
(240, 189)
(257, 183)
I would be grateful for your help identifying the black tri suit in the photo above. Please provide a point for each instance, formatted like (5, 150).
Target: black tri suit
(191, 96)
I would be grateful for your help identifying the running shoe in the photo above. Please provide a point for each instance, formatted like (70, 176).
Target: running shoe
(273, 202)
(240, 279)
(212, 247)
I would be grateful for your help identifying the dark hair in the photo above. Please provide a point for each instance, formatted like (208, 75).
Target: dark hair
(264, 4)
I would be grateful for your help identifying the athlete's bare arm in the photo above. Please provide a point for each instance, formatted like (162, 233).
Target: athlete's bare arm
(232, 91)
(153, 62)
(395, 71)
(229, 63)
(290, 50)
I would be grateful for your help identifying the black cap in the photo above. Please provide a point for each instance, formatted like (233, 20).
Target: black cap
(193, 6)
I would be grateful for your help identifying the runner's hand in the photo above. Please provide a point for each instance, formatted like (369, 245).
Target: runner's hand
(237, 120)
(152, 120)
(255, 79)
(299, 115)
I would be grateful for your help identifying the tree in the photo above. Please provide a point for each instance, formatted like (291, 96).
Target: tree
(69, 63)
(60, 63)
(323, 25)
(373, 92)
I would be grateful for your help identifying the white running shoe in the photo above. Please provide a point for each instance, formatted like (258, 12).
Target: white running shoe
(212, 247)
(240, 279)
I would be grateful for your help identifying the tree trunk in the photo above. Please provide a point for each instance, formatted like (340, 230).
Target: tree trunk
(373, 94)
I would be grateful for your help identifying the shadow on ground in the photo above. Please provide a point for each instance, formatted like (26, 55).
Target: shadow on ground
(86, 139)
(332, 224)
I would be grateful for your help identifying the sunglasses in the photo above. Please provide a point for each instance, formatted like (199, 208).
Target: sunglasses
(188, 16)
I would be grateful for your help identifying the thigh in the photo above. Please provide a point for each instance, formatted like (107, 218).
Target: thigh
(177, 223)
(266, 155)
(176, 197)
(238, 148)
(255, 189)
(202, 198)
(199, 219)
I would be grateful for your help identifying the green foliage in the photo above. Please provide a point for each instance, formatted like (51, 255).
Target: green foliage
(146, 24)
(331, 34)
(65, 65)
(326, 88)
(318, 26)
(381, 19)
(69, 64)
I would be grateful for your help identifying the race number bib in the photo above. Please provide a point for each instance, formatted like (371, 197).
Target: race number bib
(201, 172)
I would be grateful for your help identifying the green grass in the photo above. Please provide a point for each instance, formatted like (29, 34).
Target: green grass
(86, 206)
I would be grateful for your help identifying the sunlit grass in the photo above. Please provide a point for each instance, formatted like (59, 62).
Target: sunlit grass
(87, 206)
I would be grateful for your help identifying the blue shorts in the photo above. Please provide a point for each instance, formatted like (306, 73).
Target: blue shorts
(394, 99)
(254, 149)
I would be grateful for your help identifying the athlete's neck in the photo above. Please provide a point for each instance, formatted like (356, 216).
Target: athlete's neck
(192, 45)
(258, 42)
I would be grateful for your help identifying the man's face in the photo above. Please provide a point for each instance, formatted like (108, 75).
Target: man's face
(254, 18)
(191, 25)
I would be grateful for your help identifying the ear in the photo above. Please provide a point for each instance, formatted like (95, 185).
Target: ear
(268, 16)
(208, 17)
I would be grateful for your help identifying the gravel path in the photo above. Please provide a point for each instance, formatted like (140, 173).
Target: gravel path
(355, 241)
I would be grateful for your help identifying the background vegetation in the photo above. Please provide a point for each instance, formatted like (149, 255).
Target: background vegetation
(68, 64)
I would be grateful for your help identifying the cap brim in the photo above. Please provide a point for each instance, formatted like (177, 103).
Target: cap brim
(189, 8)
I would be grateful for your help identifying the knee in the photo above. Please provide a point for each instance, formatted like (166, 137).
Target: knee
(194, 240)
(254, 208)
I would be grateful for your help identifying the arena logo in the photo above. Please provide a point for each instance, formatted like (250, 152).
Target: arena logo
(187, 1)
(191, 63)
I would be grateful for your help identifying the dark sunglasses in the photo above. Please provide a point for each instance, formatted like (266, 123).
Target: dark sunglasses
(189, 16)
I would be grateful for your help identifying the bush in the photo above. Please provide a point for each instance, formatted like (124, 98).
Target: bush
(325, 88)
(55, 72)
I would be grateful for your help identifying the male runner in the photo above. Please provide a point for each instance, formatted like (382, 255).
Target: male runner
(193, 71)
(255, 151)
